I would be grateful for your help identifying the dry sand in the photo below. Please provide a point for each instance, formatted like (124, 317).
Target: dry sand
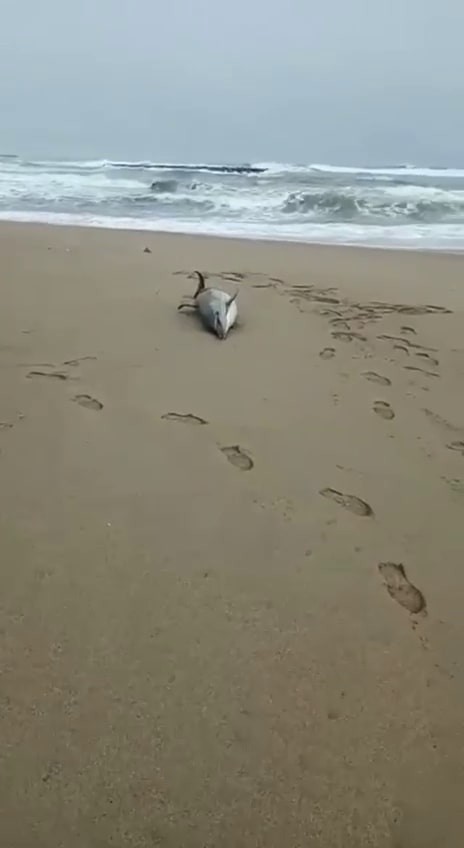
(196, 653)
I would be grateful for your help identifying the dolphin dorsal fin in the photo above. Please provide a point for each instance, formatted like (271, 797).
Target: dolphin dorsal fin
(232, 298)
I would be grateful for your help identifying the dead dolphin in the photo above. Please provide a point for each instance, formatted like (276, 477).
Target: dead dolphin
(218, 309)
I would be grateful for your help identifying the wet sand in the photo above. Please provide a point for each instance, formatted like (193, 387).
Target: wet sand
(231, 573)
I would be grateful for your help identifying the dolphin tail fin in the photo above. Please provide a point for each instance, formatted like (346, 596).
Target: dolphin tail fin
(201, 283)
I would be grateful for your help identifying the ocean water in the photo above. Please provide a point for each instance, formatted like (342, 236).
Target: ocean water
(391, 206)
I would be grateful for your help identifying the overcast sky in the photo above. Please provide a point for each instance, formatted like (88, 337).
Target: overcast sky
(342, 81)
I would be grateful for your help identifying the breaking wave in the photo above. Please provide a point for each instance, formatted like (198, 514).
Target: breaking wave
(395, 207)
(392, 204)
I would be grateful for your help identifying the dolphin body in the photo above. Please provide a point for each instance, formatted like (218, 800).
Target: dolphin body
(218, 310)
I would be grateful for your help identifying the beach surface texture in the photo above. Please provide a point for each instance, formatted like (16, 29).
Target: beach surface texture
(231, 573)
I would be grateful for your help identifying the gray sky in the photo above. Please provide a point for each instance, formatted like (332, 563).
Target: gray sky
(343, 81)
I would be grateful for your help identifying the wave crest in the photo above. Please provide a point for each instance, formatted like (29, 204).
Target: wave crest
(264, 197)
(388, 206)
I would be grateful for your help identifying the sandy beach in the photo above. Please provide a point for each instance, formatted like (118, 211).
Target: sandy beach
(231, 573)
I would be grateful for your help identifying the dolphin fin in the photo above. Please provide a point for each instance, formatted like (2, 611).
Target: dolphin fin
(232, 298)
(201, 283)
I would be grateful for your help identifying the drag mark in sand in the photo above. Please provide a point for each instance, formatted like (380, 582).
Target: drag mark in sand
(441, 421)
(351, 502)
(88, 402)
(79, 359)
(400, 588)
(184, 418)
(406, 342)
(348, 337)
(313, 294)
(57, 375)
(421, 370)
(237, 456)
(37, 365)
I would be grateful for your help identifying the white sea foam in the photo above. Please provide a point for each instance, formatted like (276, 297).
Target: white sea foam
(387, 171)
(399, 171)
(406, 170)
(389, 206)
(442, 237)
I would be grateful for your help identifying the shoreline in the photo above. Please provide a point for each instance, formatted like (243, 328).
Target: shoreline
(397, 207)
(258, 239)
(230, 572)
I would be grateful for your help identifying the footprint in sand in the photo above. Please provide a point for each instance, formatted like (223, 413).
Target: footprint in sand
(327, 353)
(399, 587)
(237, 456)
(56, 375)
(340, 323)
(408, 330)
(373, 377)
(456, 446)
(429, 358)
(88, 402)
(350, 502)
(184, 418)
(455, 484)
(382, 408)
